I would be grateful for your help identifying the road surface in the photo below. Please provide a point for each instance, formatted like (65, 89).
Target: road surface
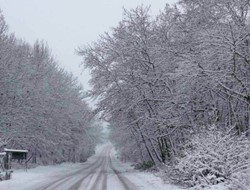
(99, 173)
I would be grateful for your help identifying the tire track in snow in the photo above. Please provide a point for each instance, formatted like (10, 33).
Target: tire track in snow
(127, 184)
(68, 177)
(77, 185)
(102, 175)
(105, 176)
(97, 181)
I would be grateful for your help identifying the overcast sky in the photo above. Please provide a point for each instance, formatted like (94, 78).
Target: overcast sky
(68, 24)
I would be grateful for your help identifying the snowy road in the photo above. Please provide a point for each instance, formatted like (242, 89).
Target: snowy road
(103, 171)
(97, 174)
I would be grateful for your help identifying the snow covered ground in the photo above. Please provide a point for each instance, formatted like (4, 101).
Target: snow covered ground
(101, 171)
(22, 180)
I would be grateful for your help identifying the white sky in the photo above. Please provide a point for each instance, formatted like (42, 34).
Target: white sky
(68, 24)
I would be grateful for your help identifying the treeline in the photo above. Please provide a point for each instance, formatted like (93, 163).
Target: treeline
(42, 107)
(164, 81)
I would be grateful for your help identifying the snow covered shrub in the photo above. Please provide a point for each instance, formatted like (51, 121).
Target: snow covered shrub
(213, 156)
(241, 180)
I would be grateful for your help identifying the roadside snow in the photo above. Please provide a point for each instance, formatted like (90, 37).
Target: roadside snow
(143, 180)
(21, 179)
(149, 181)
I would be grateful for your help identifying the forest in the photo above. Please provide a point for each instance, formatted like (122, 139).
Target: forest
(175, 89)
(42, 107)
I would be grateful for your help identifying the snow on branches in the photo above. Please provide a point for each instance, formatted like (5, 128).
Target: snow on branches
(41, 106)
(213, 156)
(160, 78)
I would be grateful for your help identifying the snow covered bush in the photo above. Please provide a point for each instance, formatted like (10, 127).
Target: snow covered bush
(241, 180)
(213, 156)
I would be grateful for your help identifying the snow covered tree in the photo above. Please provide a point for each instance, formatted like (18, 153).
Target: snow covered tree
(42, 107)
(161, 79)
